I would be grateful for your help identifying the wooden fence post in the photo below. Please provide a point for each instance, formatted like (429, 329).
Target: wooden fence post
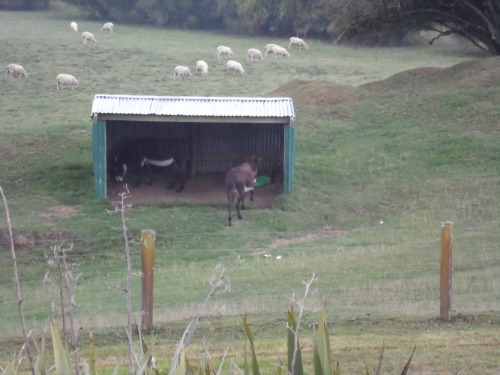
(446, 267)
(148, 260)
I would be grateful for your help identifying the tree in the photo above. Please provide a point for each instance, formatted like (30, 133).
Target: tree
(24, 4)
(475, 20)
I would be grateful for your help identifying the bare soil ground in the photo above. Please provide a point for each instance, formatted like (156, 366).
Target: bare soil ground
(209, 190)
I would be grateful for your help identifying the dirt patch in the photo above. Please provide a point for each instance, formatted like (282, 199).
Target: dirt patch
(59, 211)
(321, 96)
(208, 190)
(326, 231)
(30, 241)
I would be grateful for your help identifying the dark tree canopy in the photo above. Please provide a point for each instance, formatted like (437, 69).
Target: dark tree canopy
(24, 4)
(475, 20)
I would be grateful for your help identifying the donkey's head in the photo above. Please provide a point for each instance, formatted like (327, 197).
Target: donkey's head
(118, 168)
(254, 161)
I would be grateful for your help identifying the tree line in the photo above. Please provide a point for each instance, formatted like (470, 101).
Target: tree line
(373, 22)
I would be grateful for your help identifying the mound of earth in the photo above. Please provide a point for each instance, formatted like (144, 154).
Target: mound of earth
(467, 75)
(320, 96)
(340, 100)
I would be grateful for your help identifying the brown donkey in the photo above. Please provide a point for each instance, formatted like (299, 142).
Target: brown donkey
(239, 180)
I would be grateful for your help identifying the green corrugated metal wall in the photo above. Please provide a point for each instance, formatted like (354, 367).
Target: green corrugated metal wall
(99, 158)
(288, 168)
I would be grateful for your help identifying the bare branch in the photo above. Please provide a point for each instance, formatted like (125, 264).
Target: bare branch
(301, 304)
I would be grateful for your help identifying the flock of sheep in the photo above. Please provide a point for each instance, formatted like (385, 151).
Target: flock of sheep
(253, 55)
(62, 79)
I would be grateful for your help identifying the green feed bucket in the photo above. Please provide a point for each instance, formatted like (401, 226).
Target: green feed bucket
(262, 181)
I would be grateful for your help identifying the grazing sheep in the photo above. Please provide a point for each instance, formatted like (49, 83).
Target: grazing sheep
(269, 48)
(108, 26)
(294, 41)
(66, 80)
(88, 37)
(235, 67)
(182, 71)
(280, 52)
(223, 51)
(202, 66)
(15, 70)
(254, 55)
(74, 26)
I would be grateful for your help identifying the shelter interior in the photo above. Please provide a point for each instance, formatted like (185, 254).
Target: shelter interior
(214, 147)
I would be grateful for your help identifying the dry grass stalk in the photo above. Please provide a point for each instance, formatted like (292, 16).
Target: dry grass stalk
(300, 303)
(20, 299)
(67, 274)
(121, 207)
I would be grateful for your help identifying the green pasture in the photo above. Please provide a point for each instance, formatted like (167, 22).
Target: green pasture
(385, 153)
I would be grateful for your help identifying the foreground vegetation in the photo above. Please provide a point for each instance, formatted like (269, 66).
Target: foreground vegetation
(382, 159)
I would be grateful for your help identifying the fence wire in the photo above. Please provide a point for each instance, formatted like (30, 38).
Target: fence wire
(355, 280)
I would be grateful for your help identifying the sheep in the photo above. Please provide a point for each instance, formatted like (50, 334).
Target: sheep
(254, 55)
(235, 67)
(88, 37)
(74, 26)
(108, 26)
(202, 66)
(223, 51)
(66, 80)
(280, 52)
(182, 71)
(269, 48)
(294, 41)
(15, 70)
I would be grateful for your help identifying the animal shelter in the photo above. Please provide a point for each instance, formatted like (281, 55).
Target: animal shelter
(221, 132)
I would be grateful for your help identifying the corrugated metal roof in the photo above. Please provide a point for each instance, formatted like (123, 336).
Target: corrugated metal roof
(193, 106)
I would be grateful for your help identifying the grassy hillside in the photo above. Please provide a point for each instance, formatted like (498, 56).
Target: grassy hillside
(391, 142)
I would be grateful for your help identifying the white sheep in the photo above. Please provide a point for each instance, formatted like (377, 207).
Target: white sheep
(280, 52)
(254, 54)
(294, 41)
(235, 67)
(202, 66)
(66, 80)
(108, 26)
(88, 37)
(182, 71)
(15, 71)
(223, 51)
(74, 26)
(269, 48)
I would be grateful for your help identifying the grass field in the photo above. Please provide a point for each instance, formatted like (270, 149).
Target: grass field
(390, 143)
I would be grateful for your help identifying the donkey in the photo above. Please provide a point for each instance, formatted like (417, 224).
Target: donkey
(240, 180)
(141, 153)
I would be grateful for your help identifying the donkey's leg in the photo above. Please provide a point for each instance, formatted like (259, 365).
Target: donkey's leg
(181, 176)
(150, 173)
(172, 183)
(230, 202)
(239, 202)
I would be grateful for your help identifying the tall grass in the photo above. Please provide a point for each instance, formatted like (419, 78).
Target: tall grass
(377, 169)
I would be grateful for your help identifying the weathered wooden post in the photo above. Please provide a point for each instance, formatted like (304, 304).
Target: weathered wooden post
(446, 266)
(148, 260)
